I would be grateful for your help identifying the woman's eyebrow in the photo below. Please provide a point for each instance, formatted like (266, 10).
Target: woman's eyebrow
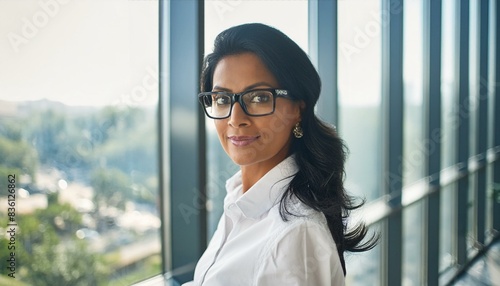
(216, 87)
(262, 83)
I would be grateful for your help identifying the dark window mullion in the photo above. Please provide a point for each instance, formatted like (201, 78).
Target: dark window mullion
(496, 115)
(323, 50)
(482, 119)
(462, 140)
(183, 155)
(432, 110)
(392, 98)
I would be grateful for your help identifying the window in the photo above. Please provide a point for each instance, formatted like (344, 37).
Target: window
(78, 130)
(359, 61)
(109, 156)
(449, 84)
(415, 152)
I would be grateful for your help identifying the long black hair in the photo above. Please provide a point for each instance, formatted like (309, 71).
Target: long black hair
(320, 154)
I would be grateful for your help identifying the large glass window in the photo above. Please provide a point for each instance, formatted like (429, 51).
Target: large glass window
(472, 107)
(359, 101)
(447, 245)
(413, 244)
(415, 152)
(474, 79)
(359, 84)
(78, 141)
(449, 82)
(449, 126)
(365, 268)
(79, 160)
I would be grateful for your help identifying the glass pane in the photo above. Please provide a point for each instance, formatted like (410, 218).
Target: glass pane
(359, 80)
(448, 218)
(491, 199)
(413, 231)
(472, 216)
(414, 151)
(449, 126)
(364, 268)
(473, 103)
(78, 130)
(449, 79)
(474, 79)
(220, 15)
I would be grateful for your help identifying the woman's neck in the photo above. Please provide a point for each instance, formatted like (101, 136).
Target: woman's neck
(251, 175)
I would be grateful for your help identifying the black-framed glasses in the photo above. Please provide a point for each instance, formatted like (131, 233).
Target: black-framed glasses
(255, 102)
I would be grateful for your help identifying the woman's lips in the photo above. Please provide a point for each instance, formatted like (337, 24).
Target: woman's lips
(243, 140)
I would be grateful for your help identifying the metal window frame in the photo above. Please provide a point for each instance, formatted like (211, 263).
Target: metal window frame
(462, 139)
(182, 138)
(482, 121)
(432, 110)
(496, 116)
(323, 39)
(323, 51)
(392, 105)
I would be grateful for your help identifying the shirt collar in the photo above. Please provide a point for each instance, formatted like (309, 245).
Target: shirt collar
(264, 194)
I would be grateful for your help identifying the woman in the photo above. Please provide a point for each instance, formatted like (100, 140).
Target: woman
(286, 210)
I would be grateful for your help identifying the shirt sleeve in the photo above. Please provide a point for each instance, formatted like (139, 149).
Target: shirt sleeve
(304, 255)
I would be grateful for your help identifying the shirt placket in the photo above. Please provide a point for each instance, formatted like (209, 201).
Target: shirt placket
(230, 217)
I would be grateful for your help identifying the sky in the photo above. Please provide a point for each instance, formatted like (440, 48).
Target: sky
(78, 52)
(90, 52)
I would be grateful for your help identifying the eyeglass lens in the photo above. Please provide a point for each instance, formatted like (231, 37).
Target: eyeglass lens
(260, 102)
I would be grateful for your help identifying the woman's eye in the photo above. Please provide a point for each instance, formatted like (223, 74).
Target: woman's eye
(260, 98)
(222, 100)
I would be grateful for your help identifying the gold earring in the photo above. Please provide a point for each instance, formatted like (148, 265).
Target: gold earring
(297, 131)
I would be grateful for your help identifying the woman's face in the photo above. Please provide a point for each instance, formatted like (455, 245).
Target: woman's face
(258, 141)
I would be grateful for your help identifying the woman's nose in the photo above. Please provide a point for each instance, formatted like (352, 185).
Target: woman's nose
(238, 117)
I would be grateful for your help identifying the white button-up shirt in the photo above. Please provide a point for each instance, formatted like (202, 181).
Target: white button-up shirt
(254, 246)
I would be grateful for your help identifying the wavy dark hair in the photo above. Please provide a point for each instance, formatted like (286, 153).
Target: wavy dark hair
(320, 154)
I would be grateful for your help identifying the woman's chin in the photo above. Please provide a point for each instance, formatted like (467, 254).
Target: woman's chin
(242, 161)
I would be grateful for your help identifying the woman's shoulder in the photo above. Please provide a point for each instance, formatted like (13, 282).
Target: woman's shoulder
(298, 212)
(296, 217)
(302, 253)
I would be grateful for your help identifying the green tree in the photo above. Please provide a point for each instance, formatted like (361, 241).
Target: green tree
(71, 264)
(17, 154)
(63, 218)
(44, 259)
(16, 158)
(112, 187)
(48, 134)
(11, 129)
